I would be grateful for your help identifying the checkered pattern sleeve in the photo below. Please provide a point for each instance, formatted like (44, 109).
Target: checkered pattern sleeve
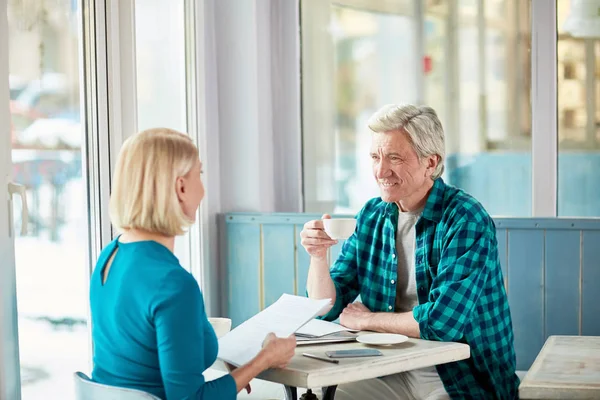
(460, 281)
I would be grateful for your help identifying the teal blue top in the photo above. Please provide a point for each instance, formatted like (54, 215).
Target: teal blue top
(149, 327)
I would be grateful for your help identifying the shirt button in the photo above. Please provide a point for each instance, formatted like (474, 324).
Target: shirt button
(389, 307)
(393, 281)
(421, 289)
(393, 256)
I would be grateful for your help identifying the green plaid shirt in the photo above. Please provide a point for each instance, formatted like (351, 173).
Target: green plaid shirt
(459, 285)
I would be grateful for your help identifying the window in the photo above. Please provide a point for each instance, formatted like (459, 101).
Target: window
(162, 86)
(63, 137)
(471, 64)
(363, 49)
(489, 147)
(578, 118)
(48, 141)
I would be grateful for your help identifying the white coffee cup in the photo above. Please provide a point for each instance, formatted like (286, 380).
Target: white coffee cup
(339, 228)
(222, 326)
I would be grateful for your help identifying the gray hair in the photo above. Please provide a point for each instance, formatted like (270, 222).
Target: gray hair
(422, 125)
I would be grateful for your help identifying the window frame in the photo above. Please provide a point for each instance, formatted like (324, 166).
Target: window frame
(202, 238)
(544, 109)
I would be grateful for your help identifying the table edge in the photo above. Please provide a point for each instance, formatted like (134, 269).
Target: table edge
(337, 375)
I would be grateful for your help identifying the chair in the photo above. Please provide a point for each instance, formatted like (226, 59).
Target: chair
(86, 389)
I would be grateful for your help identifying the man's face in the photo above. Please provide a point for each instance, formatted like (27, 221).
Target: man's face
(397, 168)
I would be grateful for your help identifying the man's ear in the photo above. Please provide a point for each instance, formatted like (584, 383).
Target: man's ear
(432, 162)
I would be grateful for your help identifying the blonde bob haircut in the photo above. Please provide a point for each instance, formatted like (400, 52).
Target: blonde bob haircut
(144, 183)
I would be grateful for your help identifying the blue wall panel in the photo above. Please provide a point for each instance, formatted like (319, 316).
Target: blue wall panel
(302, 263)
(525, 282)
(279, 271)
(243, 259)
(591, 284)
(562, 282)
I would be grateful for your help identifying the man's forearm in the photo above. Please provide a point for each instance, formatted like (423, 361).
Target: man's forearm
(319, 284)
(402, 323)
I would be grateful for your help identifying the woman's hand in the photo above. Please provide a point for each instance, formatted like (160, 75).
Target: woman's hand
(278, 352)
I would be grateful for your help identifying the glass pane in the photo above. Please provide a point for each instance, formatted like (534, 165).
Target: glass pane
(481, 95)
(489, 145)
(161, 75)
(371, 67)
(435, 53)
(160, 64)
(47, 138)
(578, 119)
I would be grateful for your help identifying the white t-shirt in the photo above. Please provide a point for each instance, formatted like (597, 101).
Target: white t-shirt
(406, 286)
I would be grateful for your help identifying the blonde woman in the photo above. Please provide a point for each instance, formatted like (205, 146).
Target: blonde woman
(149, 327)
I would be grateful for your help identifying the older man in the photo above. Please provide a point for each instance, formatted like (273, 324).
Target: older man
(424, 260)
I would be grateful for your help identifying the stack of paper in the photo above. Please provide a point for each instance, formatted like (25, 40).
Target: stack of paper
(318, 331)
(283, 318)
(319, 328)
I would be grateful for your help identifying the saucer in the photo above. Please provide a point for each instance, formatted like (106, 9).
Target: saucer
(381, 339)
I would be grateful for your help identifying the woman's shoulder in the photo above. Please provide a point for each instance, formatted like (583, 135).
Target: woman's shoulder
(177, 287)
(157, 266)
(178, 280)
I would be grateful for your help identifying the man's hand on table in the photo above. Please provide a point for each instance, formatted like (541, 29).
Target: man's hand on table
(357, 316)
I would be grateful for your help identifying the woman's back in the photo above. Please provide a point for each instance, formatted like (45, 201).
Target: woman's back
(149, 326)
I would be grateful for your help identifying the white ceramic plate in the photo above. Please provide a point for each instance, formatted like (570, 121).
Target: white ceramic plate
(381, 339)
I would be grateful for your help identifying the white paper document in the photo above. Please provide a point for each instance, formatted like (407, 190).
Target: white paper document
(318, 328)
(283, 318)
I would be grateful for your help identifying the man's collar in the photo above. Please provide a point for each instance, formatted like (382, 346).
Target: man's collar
(435, 202)
(433, 207)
